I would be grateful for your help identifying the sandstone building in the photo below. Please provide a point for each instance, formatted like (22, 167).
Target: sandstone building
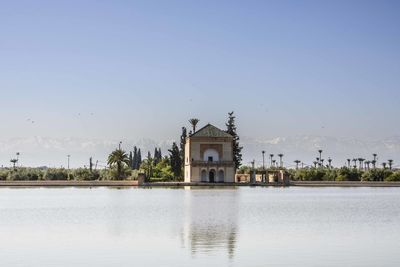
(209, 156)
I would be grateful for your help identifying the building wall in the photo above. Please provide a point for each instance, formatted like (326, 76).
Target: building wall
(194, 151)
(229, 174)
(188, 169)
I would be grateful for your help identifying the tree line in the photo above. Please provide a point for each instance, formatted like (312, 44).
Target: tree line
(124, 165)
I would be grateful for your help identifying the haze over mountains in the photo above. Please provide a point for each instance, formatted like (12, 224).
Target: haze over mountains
(52, 152)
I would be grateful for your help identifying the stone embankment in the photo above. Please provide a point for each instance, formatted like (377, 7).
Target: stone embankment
(182, 184)
(67, 183)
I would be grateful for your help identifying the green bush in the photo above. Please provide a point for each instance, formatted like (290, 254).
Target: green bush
(112, 174)
(83, 174)
(394, 177)
(4, 174)
(376, 175)
(56, 174)
(348, 174)
(330, 175)
(310, 174)
(25, 174)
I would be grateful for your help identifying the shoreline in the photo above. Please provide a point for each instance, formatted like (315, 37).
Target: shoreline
(183, 184)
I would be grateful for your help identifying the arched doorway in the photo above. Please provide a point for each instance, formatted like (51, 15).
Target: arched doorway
(211, 176)
(204, 176)
(220, 176)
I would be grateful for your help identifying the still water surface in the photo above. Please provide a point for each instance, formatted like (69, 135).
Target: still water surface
(200, 227)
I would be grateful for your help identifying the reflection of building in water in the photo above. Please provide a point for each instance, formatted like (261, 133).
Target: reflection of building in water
(210, 220)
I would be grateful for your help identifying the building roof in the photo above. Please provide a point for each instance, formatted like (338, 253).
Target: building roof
(210, 131)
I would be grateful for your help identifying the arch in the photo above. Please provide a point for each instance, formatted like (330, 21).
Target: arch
(204, 176)
(211, 176)
(221, 176)
(211, 154)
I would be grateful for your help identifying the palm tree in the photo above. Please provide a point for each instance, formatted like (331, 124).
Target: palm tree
(348, 162)
(271, 156)
(360, 160)
(280, 160)
(119, 158)
(297, 163)
(194, 123)
(390, 162)
(263, 155)
(147, 165)
(320, 153)
(355, 163)
(373, 163)
(273, 163)
(367, 164)
(315, 164)
(375, 160)
(384, 165)
(14, 161)
(330, 162)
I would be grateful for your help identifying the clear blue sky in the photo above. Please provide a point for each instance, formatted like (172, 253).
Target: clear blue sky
(144, 67)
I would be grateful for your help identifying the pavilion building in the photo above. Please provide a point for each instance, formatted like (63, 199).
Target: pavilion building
(209, 156)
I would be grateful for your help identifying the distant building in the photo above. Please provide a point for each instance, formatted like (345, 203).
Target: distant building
(209, 156)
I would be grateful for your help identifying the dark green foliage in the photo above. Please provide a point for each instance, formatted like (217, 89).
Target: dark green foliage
(156, 159)
(310, 174)
(377, 175)
(4, 174)
(163, 171)
(147, 166)
(56, 174)
(83, 174)
(175, 160)
(157, 155)
(182, 145)
(237, 149)
(394, 177)
(139, 159)
(136, 159)
(25, 174)
(134, 164)
(348, 174)
(131, 160)
(119, 159)
(90, 164)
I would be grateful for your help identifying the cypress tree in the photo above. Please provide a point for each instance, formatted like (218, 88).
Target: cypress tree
(237, 149)
(182, 145)
(130, 160)
(155, 156)
(175, 160)
(135, 159)
(159, 154)
(90, 164)
(139, 159)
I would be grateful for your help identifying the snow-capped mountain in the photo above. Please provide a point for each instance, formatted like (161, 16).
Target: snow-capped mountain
(305, 148)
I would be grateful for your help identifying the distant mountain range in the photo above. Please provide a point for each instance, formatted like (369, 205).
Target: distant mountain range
(45, 151)
(305, 148)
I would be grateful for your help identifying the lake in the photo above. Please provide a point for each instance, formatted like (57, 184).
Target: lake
(292, 226)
